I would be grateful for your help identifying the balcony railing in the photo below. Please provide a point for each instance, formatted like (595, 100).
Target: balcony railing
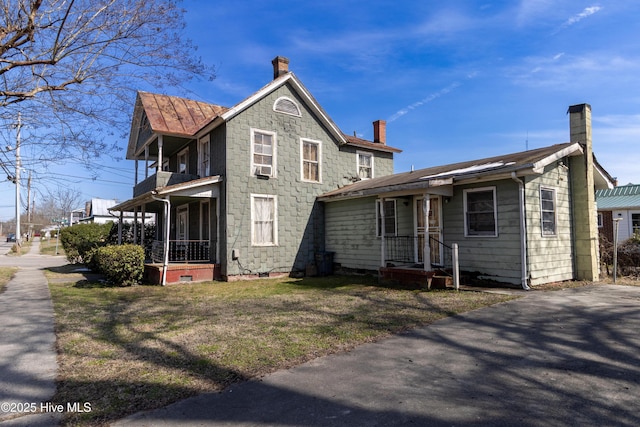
(161, 179)
(408, 250)
(182, 251)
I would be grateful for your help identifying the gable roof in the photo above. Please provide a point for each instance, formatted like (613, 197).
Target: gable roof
(624, 196)
(497, 167)
(175, 116)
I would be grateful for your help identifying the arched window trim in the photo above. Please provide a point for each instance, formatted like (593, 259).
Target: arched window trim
(286, 98)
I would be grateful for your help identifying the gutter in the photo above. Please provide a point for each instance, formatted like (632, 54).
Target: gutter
(165, 262)
(523, 232)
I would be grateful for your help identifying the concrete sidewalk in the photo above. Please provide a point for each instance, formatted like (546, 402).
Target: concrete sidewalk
(562, 358)
(27, 339)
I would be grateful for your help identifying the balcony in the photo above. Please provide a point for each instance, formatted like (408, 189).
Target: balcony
(161, 179)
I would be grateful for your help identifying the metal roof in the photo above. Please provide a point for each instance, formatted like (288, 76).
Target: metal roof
(622, 197)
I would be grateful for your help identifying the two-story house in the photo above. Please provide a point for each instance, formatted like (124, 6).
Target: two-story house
(235, 189)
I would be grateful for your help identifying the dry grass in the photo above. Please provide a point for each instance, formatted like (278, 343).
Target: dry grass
(129, 349)
(50, 246)
(6, 273)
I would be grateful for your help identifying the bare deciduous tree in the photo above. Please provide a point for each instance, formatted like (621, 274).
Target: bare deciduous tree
(72, 67)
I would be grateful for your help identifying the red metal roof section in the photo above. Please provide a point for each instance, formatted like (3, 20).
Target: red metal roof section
(177, 116)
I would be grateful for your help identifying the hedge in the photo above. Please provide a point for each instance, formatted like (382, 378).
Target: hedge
(122, 265)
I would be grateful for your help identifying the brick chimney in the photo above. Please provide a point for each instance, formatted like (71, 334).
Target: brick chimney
(380, 132)
(280, 66)
(583, 195)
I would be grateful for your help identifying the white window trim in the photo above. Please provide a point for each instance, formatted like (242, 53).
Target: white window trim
(555, 212)
(319, 144)
(299, 114)
(274, 157)
(275, 219)
(185, 153)
(495, 212)
(366, 153)
(202, 203)
(204, 141)
(631, 214)
(395, 217)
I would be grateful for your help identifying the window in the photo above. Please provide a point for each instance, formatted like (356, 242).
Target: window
(548, 211)
(263, 153)
(287, 106)
(264, 224)
(600, 219)
(204, 154)
(480, 217)
(311, 158)
(390, 224)
(364, 165)
(635, 223)
(183, 161)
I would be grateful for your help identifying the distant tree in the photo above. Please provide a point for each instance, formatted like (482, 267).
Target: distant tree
(71, 67)
(58, 204)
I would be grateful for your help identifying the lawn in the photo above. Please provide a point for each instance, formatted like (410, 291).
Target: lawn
(50, 246)
(6, 273)
(128, 349)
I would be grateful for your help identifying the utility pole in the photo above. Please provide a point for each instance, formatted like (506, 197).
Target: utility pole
(18, 238)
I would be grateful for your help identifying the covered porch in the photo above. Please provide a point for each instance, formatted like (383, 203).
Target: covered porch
(186, 244)
(413, 227)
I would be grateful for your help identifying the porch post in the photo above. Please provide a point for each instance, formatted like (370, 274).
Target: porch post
(135, 179)
(160, 160)
(144, 214)
(167, 233)
(383, 246)
(120, 228)
(426, 250)
(135, 225)
(146, 162)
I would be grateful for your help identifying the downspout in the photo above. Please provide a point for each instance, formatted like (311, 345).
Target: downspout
(167, 217)
(523, 232)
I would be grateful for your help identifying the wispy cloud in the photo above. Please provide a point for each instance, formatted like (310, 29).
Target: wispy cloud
(423, 101)
(588, 11)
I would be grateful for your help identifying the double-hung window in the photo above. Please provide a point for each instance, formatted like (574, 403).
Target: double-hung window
(548, 211)
(635, 223)
(386, 216)
(364, 165)
(263, 153)
(264, 220)
(311, 160)
(480, 212)
(204, 154)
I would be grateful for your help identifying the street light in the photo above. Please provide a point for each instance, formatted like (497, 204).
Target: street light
(616, 223)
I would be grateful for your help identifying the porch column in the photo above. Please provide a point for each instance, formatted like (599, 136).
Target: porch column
(120, 227)
(144, 215)
(160, 160)
(383, 246)
(135, 179)
(426, 250)
(146, 162)
(135, 225)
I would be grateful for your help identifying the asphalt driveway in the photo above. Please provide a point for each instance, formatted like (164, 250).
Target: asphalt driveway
(563, 358)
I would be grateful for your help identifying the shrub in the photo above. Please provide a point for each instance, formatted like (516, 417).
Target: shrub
(127, 234)
(122, 265)
(79, 239)
(629, 256)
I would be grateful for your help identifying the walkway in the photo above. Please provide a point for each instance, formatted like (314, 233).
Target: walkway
(27, 339)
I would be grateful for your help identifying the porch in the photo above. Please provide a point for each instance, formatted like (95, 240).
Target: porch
(405, 266)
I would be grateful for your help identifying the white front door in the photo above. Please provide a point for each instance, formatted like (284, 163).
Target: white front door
(435, 229)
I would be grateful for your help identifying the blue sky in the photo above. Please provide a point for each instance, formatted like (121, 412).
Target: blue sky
(455, 80)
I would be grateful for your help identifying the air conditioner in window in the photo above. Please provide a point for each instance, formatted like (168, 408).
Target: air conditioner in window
(263, 170)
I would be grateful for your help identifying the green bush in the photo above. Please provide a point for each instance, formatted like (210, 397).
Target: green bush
(122, 265)
(80, 239)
